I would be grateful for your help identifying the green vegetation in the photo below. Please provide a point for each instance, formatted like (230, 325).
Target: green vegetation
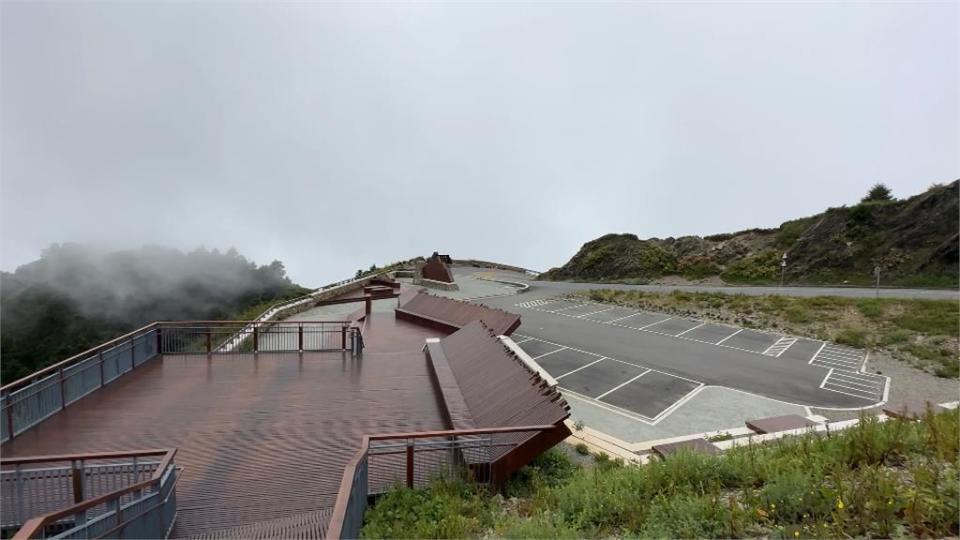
(74, 298)
(912, 241)
(892, 479)
(763, 267)
(399, 265)
(879, 192)
(923, 333)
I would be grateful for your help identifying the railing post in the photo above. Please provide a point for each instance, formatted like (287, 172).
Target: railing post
(207, 332)
(100, 361)
(159, 340)
(63, 389)
(410, 463)
(76, 474)
(300, 337)
(8, 413)
(343, 337)
(256, 338)
(19, 476)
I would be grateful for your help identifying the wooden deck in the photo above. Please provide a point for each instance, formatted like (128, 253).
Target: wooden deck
(260, 438)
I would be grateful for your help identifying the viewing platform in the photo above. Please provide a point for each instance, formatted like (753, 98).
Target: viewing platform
(279, 428)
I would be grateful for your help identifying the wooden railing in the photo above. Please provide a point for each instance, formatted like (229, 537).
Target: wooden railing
(142, 509)
(414, 459)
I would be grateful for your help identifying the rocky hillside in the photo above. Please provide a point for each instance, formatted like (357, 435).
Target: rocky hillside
(913, 240)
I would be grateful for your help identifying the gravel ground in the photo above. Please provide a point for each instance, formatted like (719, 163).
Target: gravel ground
(571, 451)
(907, 384)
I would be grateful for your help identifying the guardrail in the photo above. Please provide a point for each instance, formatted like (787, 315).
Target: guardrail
(414, 459)
(114, 494)
(198, 337)
(28, 401)
(299, 302)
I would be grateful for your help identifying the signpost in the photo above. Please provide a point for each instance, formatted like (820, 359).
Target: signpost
(783, 267)
(876, 272)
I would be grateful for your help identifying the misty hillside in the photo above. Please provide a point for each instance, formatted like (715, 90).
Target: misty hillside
(75, 297)
(913, 240)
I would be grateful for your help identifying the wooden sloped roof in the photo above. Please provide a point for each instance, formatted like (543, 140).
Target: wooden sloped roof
(483, 384)
(451, 315)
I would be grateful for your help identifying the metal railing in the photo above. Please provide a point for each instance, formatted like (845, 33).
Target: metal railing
(413, 460)
(28, 401)
(198, 337)
(115, 494)
(32, 399)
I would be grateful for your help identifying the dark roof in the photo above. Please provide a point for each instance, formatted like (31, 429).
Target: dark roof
(450, 314)
(493, 387)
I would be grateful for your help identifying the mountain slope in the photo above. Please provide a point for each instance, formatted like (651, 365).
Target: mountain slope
(913, 240)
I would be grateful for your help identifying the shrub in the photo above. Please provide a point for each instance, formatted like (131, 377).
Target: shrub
(582, 449)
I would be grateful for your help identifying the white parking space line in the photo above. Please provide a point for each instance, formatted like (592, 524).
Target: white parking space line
(844, 364)
(548, 354)
(690, 330)
(816, 354)
(602, 358)
(622, 318)
(595, 312)
(728, 337)
(568, 307)
(612, 408)
(524, 340)
(619, 386)
(653, 324)
(781, 345)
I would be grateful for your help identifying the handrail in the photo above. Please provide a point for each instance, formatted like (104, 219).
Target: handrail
(215, 323)
(86, 456)
(86, 353)
(33, 526)
(337, 517)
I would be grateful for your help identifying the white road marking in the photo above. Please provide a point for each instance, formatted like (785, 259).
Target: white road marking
(814, 357)
(728, 337)
(781, 345)
(622, 318)
(652, 324)
(602, 358)
(619, 386)
(690, 330)
(594, 312)
(547, 354)
(566, 308)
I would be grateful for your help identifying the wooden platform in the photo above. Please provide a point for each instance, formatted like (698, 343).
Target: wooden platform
(260, 438)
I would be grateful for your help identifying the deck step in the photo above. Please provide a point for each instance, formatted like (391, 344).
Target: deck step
(307, 525)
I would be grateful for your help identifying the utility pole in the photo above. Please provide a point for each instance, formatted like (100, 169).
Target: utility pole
(783, 267)
(876, 272)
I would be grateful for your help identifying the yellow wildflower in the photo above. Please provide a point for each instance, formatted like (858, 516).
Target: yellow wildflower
(839, 503)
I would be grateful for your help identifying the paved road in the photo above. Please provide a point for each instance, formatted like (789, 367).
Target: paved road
(559, 287)
(789, 378)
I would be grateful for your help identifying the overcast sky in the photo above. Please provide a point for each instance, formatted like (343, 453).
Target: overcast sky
(334, 136)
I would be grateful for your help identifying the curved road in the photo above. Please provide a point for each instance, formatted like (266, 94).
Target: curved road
(559, 287)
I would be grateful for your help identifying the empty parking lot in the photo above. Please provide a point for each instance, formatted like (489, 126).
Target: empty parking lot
(648, 364)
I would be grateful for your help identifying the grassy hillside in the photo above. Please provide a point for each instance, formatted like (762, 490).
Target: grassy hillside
(74, 298)
(893, 479)
(914, 241)
(924, 333)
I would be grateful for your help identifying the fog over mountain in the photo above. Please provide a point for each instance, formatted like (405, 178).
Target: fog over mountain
(333, 136)
(76, 296)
